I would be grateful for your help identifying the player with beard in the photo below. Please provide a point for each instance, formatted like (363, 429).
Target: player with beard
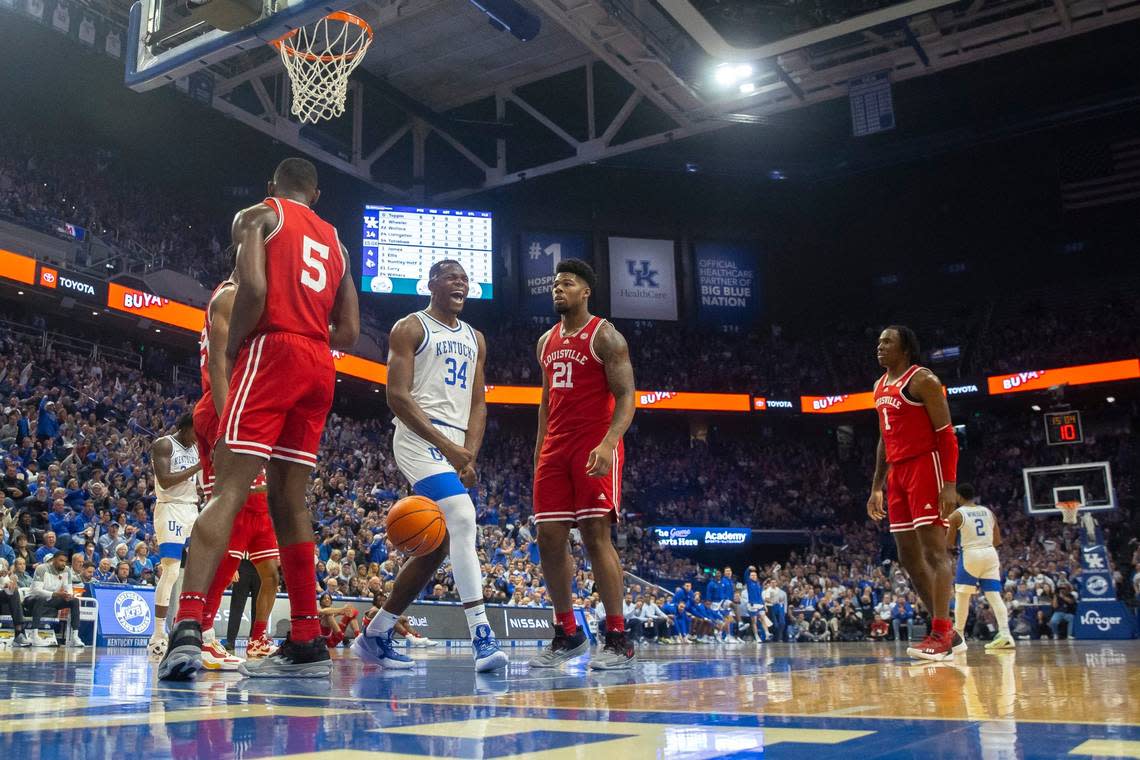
(587, 405)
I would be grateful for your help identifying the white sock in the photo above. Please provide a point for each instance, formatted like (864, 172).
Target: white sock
(476, 616)
(459, 512)
(1001, 612)
(208, 635)
(382, 623)
(961, 611)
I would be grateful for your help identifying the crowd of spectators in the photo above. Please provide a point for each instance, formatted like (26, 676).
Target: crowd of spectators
(76, 432)
(45, 183)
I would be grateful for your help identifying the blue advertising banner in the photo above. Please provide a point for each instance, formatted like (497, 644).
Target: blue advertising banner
(728, 283)
(679, 537)
(124, 611)
(541, 253)
(1104, 620)
(1096, 577)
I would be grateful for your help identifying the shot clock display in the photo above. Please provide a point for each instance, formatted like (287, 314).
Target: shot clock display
(1062, 428)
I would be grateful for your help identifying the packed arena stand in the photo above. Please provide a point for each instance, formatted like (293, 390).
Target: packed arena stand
(77, 428)
(45, 184)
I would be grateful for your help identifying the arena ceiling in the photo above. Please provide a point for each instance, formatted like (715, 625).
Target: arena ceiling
(446, 104)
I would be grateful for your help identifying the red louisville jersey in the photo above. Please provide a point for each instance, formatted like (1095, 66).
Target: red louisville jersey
(204, 340)
(303, 270)
(903, 422)
(580, 401)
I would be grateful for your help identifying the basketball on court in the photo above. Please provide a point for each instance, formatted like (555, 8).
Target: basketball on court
(416, 525)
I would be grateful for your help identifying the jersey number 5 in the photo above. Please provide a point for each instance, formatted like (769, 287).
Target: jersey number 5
(563, 375)
(314, 275)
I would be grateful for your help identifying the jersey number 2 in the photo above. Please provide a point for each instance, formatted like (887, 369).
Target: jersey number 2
(314, 276)
(980, 526)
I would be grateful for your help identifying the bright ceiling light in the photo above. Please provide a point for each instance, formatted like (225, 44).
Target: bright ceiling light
(747, 88)
(725, 74)
(1035, 408)
(743, 71)
(1110, 399)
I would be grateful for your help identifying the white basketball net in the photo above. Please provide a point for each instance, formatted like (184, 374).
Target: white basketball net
(319, 59)
(1069, 511)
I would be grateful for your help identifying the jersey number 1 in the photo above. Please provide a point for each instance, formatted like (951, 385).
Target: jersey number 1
(886, 421)
(314, 276)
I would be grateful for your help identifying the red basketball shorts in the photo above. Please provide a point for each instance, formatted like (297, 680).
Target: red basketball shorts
(253, 534)
(913, 486)
(562, 489)
(280, 395)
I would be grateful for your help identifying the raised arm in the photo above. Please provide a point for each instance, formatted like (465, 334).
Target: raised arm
(345, 327)
(160, 453)
(614, 353)
(544, 401)
(477, 423)
(220, 310)
(406, 336)
(249, 229)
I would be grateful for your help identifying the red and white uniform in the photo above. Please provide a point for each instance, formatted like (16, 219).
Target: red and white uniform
(283, 380)
(252, 534)
(914, 477)
(579, 411)
(205, 415)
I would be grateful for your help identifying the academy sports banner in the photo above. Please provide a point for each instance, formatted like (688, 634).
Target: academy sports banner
(728, 283)
(542, 252)
(643, 279)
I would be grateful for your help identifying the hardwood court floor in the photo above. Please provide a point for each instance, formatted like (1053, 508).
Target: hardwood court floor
(855, 701)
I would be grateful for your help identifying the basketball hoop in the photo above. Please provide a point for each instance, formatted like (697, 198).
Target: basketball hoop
(319, 58)
(1069, 511)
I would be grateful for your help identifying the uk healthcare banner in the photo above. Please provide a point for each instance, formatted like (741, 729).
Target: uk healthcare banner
(542, 252)
(643, 279)
(727, 283)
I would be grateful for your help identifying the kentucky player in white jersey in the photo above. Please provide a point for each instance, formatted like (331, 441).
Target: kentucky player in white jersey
(435, 389)
(175, 461)
(975, 532)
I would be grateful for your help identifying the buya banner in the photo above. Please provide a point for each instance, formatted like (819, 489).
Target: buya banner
(728, 283)
(643, 279)
(541, 253)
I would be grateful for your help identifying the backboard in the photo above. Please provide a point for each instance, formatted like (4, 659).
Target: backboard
(165, 41)
(1089, 483)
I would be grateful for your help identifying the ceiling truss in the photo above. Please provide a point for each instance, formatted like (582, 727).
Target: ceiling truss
(929, 42)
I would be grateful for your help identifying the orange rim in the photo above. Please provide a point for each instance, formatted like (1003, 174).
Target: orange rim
(281, 44)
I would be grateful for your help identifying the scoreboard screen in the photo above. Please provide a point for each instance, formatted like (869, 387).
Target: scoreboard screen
(400, 243)
(1062, 428)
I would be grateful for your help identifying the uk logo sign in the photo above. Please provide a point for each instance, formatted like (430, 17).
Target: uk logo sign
(644, 276)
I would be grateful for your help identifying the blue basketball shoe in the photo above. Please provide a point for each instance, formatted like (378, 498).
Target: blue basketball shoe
(381, 650)
(488, 656)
